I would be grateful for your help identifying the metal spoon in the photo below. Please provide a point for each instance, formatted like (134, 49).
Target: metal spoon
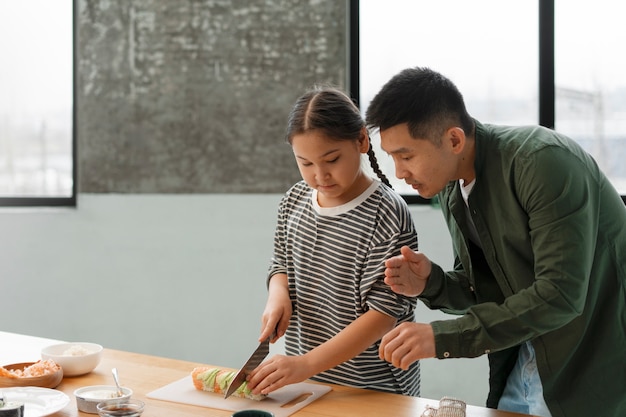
(120, 393)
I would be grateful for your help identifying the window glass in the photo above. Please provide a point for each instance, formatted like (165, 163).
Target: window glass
(590, 78)
(488, 48)
(36, 85)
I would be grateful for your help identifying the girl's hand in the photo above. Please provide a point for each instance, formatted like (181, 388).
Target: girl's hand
(278, 371)
(278, 310)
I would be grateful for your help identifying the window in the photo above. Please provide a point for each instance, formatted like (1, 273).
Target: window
(37, 166)
(590, 79)
(495, 61)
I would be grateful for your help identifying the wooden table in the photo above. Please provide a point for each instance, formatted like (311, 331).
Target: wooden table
(146, 373)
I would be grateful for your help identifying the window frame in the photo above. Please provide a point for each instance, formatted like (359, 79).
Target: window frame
(70, 201)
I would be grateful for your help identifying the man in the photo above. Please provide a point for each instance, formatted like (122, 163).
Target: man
(539, 238)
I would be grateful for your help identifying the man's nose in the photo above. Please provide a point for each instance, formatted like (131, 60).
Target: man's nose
(401, 172)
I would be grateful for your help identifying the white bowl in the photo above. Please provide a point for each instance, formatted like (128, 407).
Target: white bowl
(76, 358)
(87, 398)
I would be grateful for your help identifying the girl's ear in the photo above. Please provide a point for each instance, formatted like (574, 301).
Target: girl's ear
(364, 141)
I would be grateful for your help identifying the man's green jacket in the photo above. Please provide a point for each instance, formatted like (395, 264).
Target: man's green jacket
(552, 270)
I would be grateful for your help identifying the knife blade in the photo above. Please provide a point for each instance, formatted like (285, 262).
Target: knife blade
(255, 360)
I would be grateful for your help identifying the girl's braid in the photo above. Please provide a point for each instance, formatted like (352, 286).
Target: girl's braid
(375, 166)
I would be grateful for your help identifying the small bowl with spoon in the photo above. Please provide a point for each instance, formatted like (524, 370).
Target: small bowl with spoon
(87, 398)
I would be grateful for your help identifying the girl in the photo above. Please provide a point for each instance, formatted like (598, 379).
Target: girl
(335, 230)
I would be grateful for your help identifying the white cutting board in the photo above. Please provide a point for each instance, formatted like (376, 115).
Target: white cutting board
(279, 402)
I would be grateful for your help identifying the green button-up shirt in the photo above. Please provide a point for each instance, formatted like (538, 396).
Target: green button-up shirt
(553, 234)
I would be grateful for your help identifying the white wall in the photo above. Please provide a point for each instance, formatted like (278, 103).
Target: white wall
(180, 276)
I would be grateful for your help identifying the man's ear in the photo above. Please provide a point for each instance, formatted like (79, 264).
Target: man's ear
(456, 137)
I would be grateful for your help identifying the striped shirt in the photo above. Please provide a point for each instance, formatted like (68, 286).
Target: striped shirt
(334, 260)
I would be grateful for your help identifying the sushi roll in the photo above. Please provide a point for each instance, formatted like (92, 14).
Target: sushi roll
(217, 380)
(11, 409)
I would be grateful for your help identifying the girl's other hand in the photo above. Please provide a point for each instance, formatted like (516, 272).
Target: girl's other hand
(278, 371)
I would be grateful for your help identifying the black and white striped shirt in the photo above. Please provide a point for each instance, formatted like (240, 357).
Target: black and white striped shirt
(334, 259)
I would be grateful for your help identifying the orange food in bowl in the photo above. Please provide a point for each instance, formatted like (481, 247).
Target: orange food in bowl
(43, 373)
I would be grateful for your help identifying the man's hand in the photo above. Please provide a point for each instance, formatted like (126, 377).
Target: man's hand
(407, 343)
(408, 272)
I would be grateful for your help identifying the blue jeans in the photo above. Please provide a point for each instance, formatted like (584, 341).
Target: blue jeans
(523, 392)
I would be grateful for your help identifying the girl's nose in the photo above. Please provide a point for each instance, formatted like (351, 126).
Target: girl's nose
(321, 173)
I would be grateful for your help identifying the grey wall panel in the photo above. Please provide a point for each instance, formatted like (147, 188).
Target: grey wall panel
(192, 96)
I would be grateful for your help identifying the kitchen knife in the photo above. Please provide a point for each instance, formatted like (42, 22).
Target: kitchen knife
(255, 360)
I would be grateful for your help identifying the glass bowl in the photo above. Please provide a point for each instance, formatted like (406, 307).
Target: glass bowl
(120, 408)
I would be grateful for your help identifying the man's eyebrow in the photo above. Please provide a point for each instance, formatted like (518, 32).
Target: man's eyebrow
(399, 150)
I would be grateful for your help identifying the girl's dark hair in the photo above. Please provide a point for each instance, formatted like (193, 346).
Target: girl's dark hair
(331, 111)
(424, 99)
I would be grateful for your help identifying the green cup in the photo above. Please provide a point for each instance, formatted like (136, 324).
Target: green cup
(252, 413)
